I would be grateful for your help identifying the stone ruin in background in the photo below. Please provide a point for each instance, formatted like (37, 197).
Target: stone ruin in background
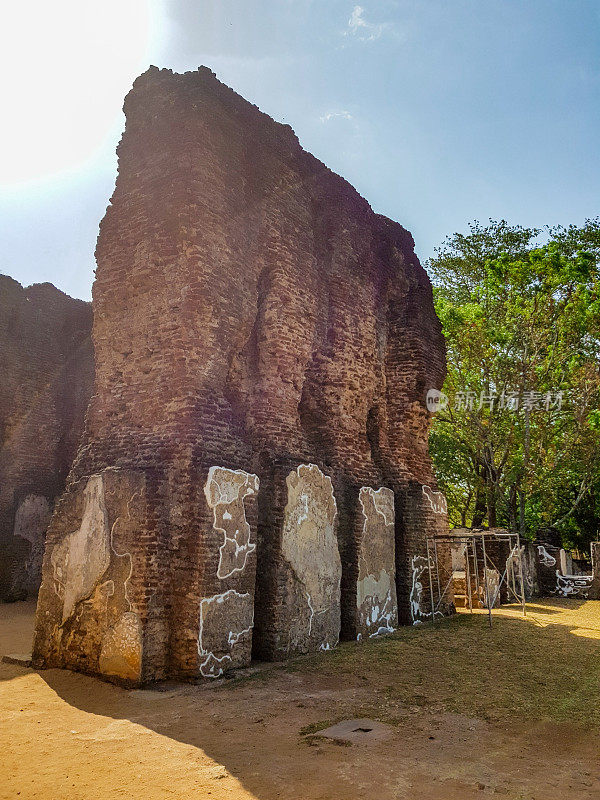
(254, 476)
(548, 570)
(46, 377)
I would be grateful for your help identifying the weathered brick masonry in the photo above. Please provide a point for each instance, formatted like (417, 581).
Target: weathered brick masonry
(46, 375)
(264, 342)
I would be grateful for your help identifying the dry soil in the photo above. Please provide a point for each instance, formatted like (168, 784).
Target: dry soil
(512, 711)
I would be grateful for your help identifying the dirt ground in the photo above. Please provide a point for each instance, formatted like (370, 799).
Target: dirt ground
(513, 711)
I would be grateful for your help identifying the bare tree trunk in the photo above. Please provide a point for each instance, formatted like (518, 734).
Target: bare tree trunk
(480, 508)
(525, 467)
(512, 508)
(491, 504)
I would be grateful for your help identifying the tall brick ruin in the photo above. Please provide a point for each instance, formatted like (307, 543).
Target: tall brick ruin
(46, 369)
(255, 478)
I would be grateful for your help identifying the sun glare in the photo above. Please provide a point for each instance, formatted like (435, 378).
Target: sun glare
(66, 66)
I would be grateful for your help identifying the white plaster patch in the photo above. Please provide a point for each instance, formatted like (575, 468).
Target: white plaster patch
(376, 589)
(437, 501)
(309, 544)
(126, 554)
(225, 490)
(312, 613)
(545, 558)
(80, 560)
(303, 513)
(573, 585)
(229, 608)
(383, 500)
(492, 581)
(381, 631)
(419, 565)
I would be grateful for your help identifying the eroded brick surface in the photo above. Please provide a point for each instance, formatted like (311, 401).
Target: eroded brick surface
(46, 375)
(253, 314)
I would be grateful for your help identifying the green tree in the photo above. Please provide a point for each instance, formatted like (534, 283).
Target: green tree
(519, 443)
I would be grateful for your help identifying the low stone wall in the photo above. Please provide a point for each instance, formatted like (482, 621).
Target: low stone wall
(555, 580)
(546, 572)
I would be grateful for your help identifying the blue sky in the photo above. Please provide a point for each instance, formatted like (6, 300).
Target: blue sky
(438, 111)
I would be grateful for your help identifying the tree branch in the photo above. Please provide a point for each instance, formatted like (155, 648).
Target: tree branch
(583, 489)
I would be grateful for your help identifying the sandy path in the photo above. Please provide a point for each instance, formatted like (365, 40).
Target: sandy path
(68, 737)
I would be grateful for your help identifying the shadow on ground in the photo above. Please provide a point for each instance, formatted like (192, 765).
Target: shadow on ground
(507, 707)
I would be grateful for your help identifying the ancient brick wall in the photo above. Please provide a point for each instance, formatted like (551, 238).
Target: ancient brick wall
(46, 369)
(254, 317)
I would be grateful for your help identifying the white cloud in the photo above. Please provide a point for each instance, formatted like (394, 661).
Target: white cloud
(366, 31)
(336, 114)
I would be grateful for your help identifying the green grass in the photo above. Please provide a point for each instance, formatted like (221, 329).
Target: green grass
(315, 727)
(544, 667)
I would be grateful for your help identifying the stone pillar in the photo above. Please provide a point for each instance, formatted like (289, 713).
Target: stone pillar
(227, 585)
(530, 569)
(376, 604)
(421, 511)
(594, 592)
(566, 563)
(101, 596)
(300, 589)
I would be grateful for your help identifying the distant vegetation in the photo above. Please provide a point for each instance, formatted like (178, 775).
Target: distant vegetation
(518, 444)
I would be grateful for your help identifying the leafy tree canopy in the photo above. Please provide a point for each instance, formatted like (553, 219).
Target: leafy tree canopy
(519, 441)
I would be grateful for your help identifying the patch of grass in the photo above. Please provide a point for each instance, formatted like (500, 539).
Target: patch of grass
(315, 727)
(310, 733)
(315, 739)
(545, 666)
